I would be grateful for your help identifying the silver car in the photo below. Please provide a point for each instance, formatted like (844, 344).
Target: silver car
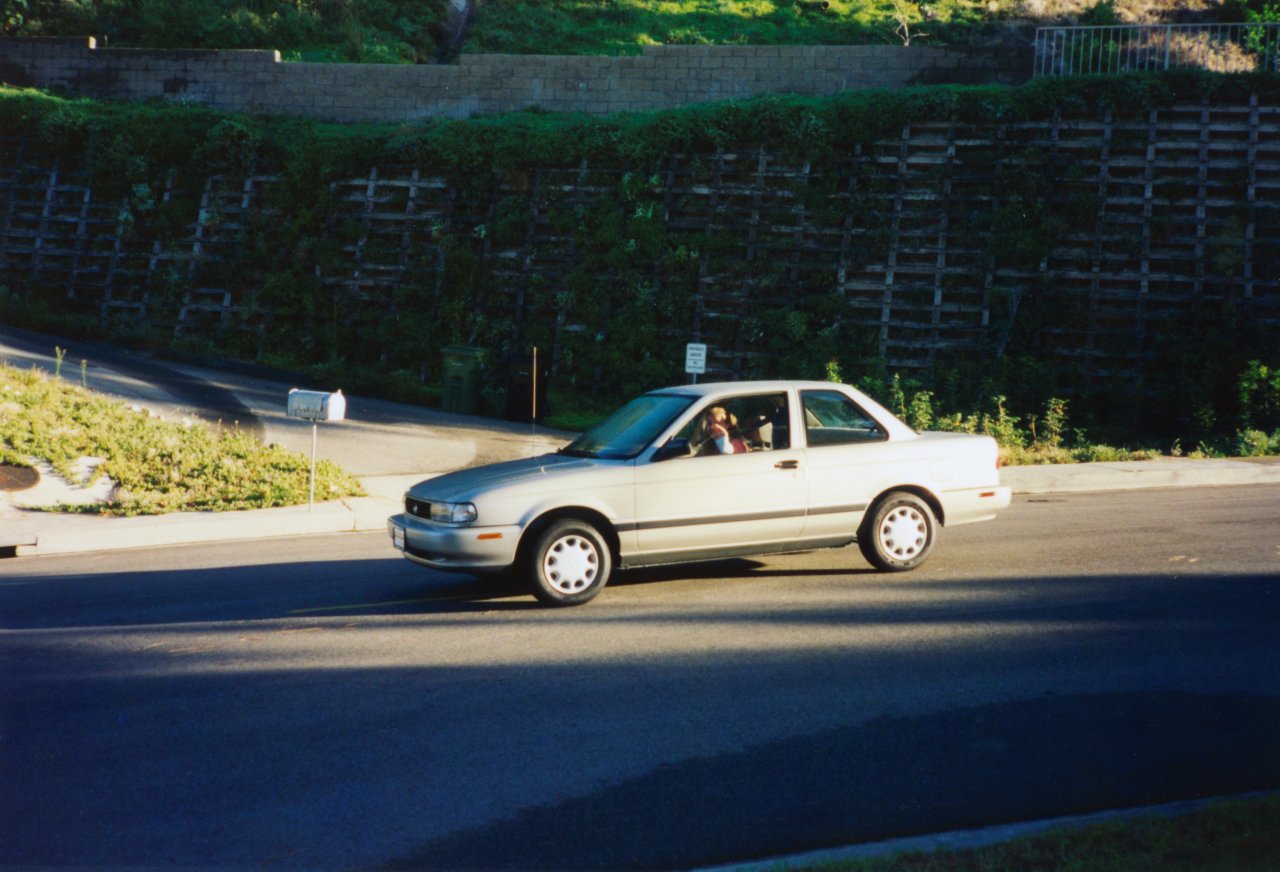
(702, 472)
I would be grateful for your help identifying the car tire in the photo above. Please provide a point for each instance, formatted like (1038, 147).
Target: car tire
(899, 533)
(570, 563)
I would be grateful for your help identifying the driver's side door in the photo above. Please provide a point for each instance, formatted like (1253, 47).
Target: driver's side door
(709, 502)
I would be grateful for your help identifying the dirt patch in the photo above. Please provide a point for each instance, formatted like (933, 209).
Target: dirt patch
(1045, 13)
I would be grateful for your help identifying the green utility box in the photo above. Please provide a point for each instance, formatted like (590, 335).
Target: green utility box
(463, 367)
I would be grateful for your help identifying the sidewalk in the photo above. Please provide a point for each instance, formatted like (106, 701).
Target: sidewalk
(1133, 474)
(31, 532)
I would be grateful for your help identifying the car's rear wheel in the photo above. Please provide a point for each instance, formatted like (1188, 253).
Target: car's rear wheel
(570, 563)
(899, 533)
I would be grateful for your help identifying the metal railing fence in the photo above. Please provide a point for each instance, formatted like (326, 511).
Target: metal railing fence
(1221, 48)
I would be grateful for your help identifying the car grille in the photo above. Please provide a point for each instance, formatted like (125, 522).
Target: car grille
(417, 508)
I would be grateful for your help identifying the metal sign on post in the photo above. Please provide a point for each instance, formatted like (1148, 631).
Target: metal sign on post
(695, 359)
(315, 406)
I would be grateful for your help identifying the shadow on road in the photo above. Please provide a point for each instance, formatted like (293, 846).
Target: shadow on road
(1020, 761)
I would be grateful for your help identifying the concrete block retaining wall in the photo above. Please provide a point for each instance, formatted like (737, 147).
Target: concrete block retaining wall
(257, 82)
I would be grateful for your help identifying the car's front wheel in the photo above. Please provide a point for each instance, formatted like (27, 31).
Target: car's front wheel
(570, 563)
(899, 533)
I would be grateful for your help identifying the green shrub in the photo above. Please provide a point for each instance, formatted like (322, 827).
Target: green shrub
(1256, 443)
(1100, 14)
(920, 411)
(1259, 391)
(1206, 451)
(371, 31)
(1108, 454)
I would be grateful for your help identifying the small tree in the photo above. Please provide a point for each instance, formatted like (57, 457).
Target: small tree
(903, 14)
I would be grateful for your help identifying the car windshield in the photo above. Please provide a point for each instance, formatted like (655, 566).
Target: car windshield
(631, 429)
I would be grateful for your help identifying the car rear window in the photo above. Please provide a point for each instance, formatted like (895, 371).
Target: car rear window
(831, 418)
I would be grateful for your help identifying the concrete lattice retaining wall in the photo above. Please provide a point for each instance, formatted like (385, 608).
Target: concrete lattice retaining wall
(1165, 219)
(257, 82)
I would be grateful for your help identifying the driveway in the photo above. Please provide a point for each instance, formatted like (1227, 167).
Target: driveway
(378, 438)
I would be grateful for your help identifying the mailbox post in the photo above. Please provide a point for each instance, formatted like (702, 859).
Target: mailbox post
(315, 406)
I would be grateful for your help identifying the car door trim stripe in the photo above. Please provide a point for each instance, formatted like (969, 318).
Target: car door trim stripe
(640, 526)
(839, 510)
(711, 519)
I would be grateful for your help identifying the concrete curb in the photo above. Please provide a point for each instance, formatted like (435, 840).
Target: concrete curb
(33, 533)
(62, 534)
(967, 840)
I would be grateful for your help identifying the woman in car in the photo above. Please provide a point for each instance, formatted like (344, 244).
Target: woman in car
(722, 432)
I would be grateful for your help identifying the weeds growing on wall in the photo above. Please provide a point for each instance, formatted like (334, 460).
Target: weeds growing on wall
(407, 31)
(630, 288)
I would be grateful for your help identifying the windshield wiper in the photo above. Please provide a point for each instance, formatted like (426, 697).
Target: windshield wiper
(568, 451)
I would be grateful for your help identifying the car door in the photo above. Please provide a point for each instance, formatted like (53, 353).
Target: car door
(844, 448)
(711, 502)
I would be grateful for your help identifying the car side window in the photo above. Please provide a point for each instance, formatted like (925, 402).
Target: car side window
(831, 418)
(739, 425)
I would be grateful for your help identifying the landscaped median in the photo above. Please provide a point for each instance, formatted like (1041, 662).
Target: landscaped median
(153, 466)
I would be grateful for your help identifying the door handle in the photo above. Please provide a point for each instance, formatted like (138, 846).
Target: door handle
(787, 464)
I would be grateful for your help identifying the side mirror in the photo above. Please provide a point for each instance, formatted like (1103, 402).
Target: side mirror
(675, 448)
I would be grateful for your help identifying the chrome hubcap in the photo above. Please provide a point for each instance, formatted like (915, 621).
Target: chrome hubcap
(903, 533)
(571, 564)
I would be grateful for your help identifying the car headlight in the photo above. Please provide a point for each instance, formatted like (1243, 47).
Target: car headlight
(453, 513)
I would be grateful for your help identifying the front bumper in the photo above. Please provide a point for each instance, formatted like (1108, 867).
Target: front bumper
(454, 548)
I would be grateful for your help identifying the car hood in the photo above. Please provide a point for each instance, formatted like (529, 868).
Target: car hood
(465, 484)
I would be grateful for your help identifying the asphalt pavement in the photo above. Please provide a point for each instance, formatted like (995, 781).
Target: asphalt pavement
(388, 446)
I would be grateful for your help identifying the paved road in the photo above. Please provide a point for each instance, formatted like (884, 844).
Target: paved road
(322, 703)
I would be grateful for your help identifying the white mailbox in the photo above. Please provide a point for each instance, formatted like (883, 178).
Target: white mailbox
(317, 405)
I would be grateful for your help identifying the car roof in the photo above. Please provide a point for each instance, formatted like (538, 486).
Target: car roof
(709, 389)
(702, 392)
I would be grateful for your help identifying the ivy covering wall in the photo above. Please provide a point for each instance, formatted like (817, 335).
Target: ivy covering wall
(1113, 240)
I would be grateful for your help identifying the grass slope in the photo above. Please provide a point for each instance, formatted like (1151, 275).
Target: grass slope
(420, 31)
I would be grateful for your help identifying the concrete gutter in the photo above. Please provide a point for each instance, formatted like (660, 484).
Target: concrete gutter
(32, 532)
